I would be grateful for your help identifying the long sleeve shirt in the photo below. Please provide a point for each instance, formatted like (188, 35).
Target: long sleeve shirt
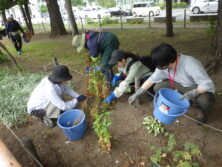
(47, 92)
(13, 26)
(189, 72)
(137, 69)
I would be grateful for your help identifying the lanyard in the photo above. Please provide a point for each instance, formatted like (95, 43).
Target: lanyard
(172, 78)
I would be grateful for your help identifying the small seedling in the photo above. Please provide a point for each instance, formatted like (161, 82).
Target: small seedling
(153, 126)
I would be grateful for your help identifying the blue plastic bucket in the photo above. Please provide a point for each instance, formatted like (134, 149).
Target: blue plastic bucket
(171, 99)
(65, 122)
(169, 106)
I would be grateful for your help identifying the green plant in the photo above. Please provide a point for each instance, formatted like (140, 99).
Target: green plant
(211, 31)
(179, 5)
(136, 21)
(15, 89)
(43, 9)
(189, 156)
(108, 20)
(3, 58)
(153, 126)
(100, 126)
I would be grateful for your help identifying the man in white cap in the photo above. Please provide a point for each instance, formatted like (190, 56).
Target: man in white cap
(46, 101)
(98, 43)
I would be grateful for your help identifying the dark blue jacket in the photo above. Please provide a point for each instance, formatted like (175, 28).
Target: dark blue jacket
(13, 26)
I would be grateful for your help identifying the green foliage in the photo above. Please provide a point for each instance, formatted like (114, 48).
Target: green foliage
(108, 20)
(187, 157)
(15, 89)
(211, 31)
(3, 57)
(171, 143)
(77, 2)
(43, 9)
(106, 3)
(153, 126)
(174, 5)
(136, 21)
(179, 5)
(100, 126)
(6, 4)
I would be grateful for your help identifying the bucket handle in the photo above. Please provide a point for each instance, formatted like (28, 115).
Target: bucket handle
(156, 97)
(177, 115)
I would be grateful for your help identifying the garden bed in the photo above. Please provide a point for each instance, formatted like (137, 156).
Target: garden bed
(130, 139)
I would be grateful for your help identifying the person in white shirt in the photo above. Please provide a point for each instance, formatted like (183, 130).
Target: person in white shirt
(46, 101)
(184, 74)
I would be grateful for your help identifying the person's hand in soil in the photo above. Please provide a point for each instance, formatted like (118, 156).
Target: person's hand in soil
(110, 98)
(81, 98)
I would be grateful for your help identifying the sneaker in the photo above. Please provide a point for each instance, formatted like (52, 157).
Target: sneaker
(47, 122)
(19, 52)
(201, 117)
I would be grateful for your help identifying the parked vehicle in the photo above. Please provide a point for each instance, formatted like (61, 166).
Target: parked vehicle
(93, 12)
(144, 8)
(118, 11)
(204, 6)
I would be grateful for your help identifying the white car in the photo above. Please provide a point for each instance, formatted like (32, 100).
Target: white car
(94, 12)
(144, 8)
(204, 6)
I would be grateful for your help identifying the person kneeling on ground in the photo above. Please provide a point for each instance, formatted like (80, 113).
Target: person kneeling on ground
(46, 101)
(184, 74)
(129, 66)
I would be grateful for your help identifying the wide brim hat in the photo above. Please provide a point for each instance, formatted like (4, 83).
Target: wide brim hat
(60, 73)
(116, 56)
(79, 42)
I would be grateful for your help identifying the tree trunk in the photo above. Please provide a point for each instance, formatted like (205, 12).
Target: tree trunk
(169, 23)
(4, 16)
(25, 17)
(218, 41)
(56, 22)
(71, 17)
(26, 5)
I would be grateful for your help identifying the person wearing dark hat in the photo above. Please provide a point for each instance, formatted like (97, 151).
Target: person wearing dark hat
(184, 74)
(129, 66)
(99, 44)
(46, 101)
(12, 28)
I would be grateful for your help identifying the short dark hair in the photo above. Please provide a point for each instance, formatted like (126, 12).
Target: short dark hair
(163, 54)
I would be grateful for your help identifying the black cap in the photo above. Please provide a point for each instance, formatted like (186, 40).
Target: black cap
(60, 73)
(116, 56)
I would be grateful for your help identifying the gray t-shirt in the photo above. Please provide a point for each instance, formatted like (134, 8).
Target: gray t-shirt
(189, 72)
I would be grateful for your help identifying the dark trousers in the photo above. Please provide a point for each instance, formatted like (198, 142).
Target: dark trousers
(17, 41)
(109, 74)
(204, 102)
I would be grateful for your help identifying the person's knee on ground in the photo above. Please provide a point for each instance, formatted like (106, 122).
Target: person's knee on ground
(162, 84)
(204, 104)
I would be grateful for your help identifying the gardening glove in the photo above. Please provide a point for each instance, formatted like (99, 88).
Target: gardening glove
(117, 78)
(138, 93)
(110, 98)
(87, 70)
(81, 98)
(189, 95)
(96, 68)
(95, 59)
